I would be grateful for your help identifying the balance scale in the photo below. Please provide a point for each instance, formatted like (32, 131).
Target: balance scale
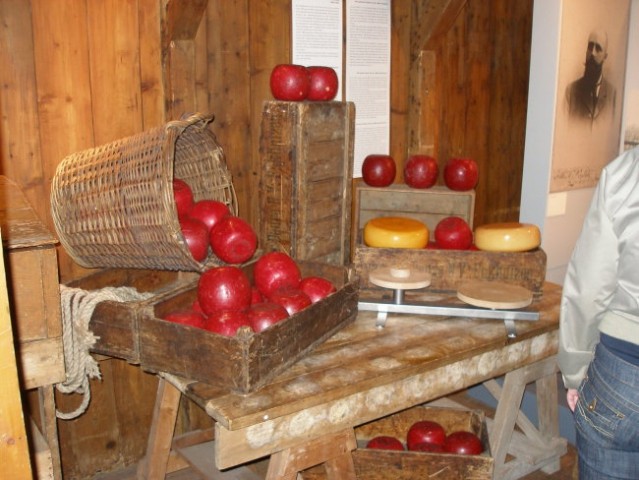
(482, 299)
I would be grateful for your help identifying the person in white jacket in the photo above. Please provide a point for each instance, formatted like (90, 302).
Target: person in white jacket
(599, 327)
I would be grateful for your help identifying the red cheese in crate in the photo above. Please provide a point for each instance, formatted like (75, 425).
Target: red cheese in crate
(447, 268)
(243, 363)
(423, 461)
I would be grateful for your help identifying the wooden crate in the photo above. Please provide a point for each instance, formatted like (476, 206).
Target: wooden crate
(115, 324)
(446, 267)
(135, 331)
(426, 205)
(382, 464)
(372, 464)
(306, 154)
(34, 294)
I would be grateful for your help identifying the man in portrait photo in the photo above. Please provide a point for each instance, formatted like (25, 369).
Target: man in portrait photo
(589, 99)
(592, 96)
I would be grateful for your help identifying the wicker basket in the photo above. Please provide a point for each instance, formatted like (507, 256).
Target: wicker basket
(113, 205)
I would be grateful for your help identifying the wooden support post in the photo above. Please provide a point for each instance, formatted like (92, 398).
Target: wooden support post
(154, 464)
(548, 410)
(544, 447)
(46, 396)
(341, 467)
(333, 450)
(506, 415)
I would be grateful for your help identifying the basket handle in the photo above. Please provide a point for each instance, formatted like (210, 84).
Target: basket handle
(188, 119)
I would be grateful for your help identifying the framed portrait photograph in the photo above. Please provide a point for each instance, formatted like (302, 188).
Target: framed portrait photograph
(590, 91)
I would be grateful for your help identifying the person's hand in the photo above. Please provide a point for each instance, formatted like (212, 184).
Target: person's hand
(572, 395)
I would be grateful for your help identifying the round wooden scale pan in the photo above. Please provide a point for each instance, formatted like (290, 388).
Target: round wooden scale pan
(399, 278)
(495, 295)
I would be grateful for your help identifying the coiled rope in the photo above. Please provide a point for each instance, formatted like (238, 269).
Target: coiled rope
(77, 339)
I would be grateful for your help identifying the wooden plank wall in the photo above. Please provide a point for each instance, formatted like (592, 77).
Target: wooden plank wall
(80, 73)
(469, 83)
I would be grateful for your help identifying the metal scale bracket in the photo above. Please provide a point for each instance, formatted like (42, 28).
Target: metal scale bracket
(397, 278)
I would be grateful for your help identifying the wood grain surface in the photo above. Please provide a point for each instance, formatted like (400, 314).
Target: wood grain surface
(306, 172)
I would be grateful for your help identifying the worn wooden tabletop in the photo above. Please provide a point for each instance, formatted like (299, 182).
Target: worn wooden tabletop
(363, 373)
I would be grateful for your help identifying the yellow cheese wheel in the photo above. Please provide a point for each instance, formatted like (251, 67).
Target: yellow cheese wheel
(507, 237)
(395, 232)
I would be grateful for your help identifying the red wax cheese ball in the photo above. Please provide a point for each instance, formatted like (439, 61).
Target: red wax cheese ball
(378, 170)
(317, 288)
(385, 442)
(233, 240)
(195, 306)
(453, 233)
(209, 212)
(264, 314)
(227, 322)
(292, 299)
(323, 83)
(256, 296)
(196, 235)
(463, 443)
(421, 171)
(461, 174)
(183, 197)
(427, 447)
(187, 317)
(274, 270)
(290, 82)
(223, 288)
(425, 431)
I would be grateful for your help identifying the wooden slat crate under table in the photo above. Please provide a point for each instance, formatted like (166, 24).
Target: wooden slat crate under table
(374, 464)
(306, 155)
(135, 331)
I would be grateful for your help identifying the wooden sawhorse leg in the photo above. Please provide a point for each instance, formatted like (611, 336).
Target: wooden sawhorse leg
(333, 450)
(543, 447)
(167, 402)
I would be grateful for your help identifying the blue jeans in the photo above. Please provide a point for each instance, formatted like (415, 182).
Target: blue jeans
(607, 419)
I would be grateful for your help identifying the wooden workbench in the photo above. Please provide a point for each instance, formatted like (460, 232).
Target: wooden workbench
(306, 415)
(34, 299)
